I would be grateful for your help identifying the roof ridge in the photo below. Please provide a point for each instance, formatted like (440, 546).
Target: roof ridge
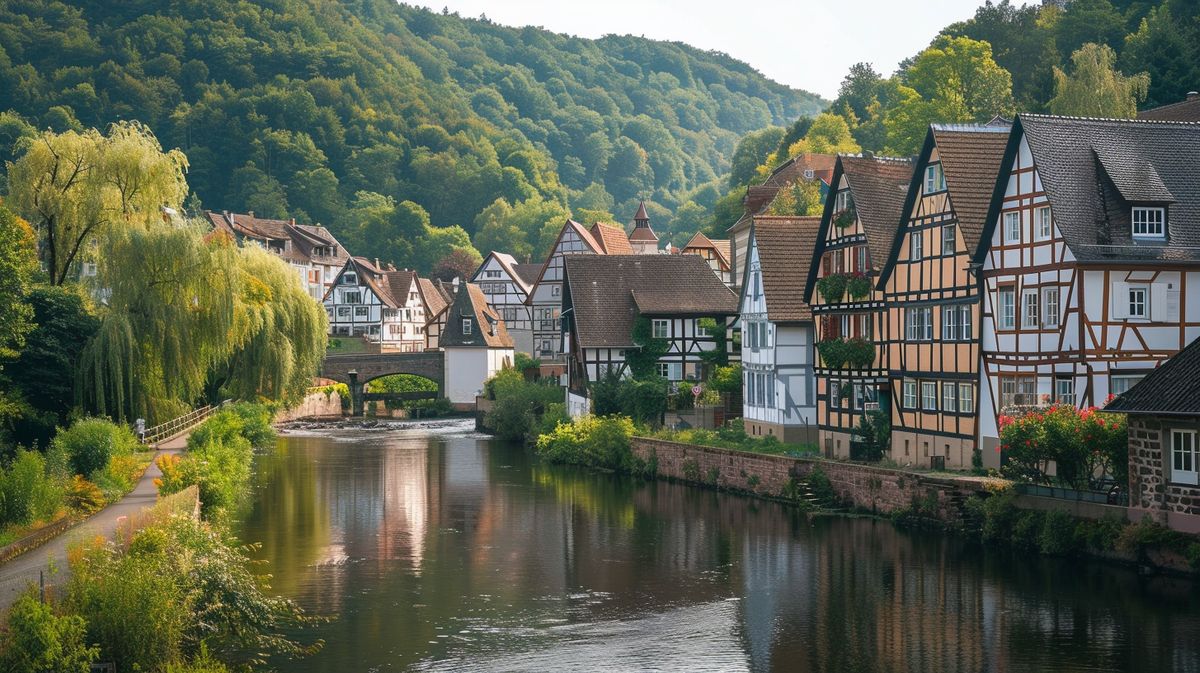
(1110, 120)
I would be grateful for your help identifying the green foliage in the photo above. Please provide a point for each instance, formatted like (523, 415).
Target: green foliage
(856, 353)
(31, 489)
(39, 641)
(875, 429)
(1057, 537)
(833, 353)
(858, 285)
(519, 404)
(89, 443)
(798, 198)
(1086, 445)
(18, 265)
(523, 362)
(643, 400)
(1095, 88)
(733, 436)
(642, 360)
(592, 441)
(751, 152)
(832, 287)
(402, 383)
(727, 379)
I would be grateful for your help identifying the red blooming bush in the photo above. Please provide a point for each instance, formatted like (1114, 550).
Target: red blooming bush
(1085, 445)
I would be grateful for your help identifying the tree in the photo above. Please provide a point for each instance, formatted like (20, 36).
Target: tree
(858, 89)
(689, 219)
(1096, 88)
(829, 134)
(39, 641)
(18, 265)
(751, 151)
(798, 198)
(517, 229)
(72, 186)
(460, 263)
(1162, 48)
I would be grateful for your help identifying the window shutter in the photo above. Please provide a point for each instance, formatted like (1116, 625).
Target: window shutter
(1158, 302)
(1171, 302)
(1120, 300)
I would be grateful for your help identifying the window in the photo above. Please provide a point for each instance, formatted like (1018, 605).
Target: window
(1118, 384)
(1030, 318)
(916, 245)
(949, 399)
(1064, 390)
(1183, 457)
(808, 174)
(510, 315)
(1041, 221)
(949, 239)
(956, 323)
(1006, 308)
(966, 398)
(764, 340)
(349, 279)
(1149, 223)
(920, 324)
(360, 311)
(491, 274)
(1137, 302)
(929, 395)
(1018, 391)
(910, 394)
(841, 201)
(1050, 307)
(343, 311)
(701, 331)
(555, 290)
(1012, 227)
(659, 329)
(352, 298)
(545, 349)
(467, 325)
(673, 371)
(860, 257)
(935, 179)
(835, 393)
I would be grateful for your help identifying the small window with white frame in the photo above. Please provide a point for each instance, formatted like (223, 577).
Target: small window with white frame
(1184, 469)
(808, 174)
(935, 179)
(701, 330)
(660, 329)
(1012, 227)
(949, 238)
(1139, 301)
(966, 398)
(916, 245)
(1006, 299)
(835, 393)
(1050, 307)
(1041, 222)
(949, 396)
(1030, 315)
(1119, 383)
(1064, 390)
(910, 394)
(1149, 222)
(467, 326)
(929, 395)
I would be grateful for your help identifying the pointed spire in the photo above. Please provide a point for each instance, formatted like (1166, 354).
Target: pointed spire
(641, 218)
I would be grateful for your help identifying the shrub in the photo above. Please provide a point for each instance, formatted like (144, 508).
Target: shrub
(820, 486)
(844, 218)
(859, 352)
(1027, 529)
(118, 477)
(1083, 444)
(84, 496)
(218, 461)
(727, 379)
(644, 400)
(519, 404)
(1000, 516)
(858, 285)
(256, 423)
(90, 441)
(832, 287)
(39, 641)
(592, 441)
(833, 353)
(1100, 535)
(28, 491)
(1058, 533)
(522, 362)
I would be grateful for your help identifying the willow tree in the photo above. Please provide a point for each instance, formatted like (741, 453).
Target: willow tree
(282, 331)
(74, 187)
(169, 319)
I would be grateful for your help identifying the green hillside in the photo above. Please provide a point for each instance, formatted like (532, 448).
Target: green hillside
(296, 107)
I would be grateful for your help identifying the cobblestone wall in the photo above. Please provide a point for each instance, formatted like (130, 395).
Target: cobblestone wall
(1151, 491)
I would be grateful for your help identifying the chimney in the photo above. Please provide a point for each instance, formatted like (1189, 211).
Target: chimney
(250, 213)
(1193, 95)
(293, 221)
(376, 262)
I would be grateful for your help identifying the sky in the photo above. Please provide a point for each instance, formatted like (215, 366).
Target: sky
(806, 44)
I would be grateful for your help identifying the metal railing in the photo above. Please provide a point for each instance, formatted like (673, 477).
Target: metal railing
(175, 426)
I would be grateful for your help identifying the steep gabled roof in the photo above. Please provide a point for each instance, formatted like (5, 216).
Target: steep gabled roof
(399, 284)
(608, 292)
(1094, 171)
(641, 212)
(643, 234)
(432, 296)
(1172, 389)
(612, 239)
(970, 155)
(511, 267)
(487, 331)
(1186, 110)
(528, 273)
(785, 247)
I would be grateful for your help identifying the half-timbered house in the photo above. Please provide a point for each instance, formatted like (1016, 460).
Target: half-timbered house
(607, 295)
(501, 280)
(474, 339)
(932, 296)
(384, 306)
(310, 250)
(779, 389)
(716, 253)
(1090, 261)
(862, 213)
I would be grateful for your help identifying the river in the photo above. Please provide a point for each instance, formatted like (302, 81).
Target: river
(436, 549)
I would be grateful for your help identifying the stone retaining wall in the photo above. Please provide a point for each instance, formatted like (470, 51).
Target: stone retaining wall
(866, 487)
(315, 405)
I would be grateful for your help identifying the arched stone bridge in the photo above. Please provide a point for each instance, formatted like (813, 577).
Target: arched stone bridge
(357, 370)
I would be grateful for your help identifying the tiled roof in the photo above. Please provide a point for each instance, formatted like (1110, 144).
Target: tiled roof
(510, 266)
(879, 186)
(641, 212)
(398, 284)
(528, 273)
(723, 246)
(1173, 388)
(586, 236)
(488, 329)
(760, 196)
(432, 295)
(1187, 110)
(643, 234)
(608, 292)
(298, 240)
(971, 159)
(1091, 169)
(785, 249)
(612, 239)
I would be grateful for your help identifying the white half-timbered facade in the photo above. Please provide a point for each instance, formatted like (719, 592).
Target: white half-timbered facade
(383, 306)
(1090, 262)
(545, 298)
(507, 285)
(779, 388)
(607, 296)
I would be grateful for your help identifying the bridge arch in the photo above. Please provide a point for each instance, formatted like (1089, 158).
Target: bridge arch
(356, 370)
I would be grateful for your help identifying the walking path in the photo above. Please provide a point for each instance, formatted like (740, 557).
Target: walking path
(22, 571)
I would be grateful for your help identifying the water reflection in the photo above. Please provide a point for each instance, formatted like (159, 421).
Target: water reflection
(440, 551)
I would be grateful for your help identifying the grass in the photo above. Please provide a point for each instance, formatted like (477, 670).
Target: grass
(346, 346)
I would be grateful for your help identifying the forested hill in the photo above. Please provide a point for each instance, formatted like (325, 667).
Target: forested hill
(294, 107)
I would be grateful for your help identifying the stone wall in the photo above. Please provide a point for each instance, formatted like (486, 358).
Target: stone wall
(315, 405)
(866, 487)
(1151, 493)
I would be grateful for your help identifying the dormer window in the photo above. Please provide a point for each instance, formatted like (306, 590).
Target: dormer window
(349, 279)
(808, 174)
(1149, 223)
(935, 179)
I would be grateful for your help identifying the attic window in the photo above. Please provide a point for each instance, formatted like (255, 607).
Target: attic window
(935, 179)
(349, 279)
(467, 326)
(1149, 222)
(808, 174)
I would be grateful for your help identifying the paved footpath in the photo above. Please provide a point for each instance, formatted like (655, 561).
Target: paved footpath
(23, 570)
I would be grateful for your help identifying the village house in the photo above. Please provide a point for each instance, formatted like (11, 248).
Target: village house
(311, 250)
(474, 339)
(642, 239)
(1090, 262)
(932, 298)
(716, 253)
(545, 297)
(808, 166)
(1186, 110)
(388, 307)
(1164, 442)
(507, 285)
(779, 389)
(605, 299)
(859, 223)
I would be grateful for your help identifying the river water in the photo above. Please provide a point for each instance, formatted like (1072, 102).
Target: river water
(437, 549)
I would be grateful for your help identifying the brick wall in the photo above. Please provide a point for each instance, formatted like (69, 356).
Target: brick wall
(872, 488)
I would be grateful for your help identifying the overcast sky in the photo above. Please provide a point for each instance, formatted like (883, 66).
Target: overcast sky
(803, 43)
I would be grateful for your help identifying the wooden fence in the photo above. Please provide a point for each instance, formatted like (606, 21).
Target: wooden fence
(177, 425)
